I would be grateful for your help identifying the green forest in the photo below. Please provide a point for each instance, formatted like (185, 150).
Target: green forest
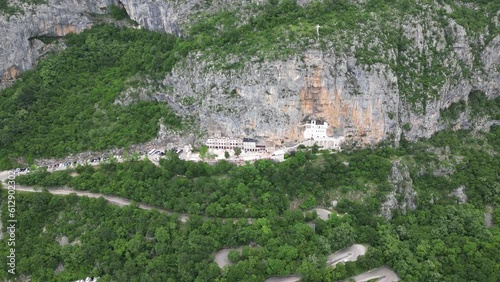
(69, 103)
(66, 104)
(439, 241)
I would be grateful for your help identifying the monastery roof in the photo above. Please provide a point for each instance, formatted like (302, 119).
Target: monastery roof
(320, 122)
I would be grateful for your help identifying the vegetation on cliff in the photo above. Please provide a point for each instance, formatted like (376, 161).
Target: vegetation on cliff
(67, 100)
(11, 8)
(477, 107)
(66, 104)
(374, 31)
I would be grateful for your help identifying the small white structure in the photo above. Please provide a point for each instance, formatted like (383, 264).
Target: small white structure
(315, 130)
(187, 148)
(88, 279)
(186, 152)
(315, 133)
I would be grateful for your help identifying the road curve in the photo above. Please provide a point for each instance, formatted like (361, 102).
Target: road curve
(289, 278)
(221, 256)
(349, 254)
(381, 274)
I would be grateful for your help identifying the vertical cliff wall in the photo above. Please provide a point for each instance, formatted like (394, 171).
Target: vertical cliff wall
(20, 50)
(273, 98)
(19, 46)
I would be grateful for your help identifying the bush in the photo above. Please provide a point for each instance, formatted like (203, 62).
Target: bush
(407, 126)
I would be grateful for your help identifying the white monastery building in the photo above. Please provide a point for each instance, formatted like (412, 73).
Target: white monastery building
(224, 143)
(315, 133)
(229, 143)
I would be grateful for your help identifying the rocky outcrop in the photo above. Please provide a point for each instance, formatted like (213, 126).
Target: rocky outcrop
(157, 15)
(460, 195)
(403, 196)
(20, 49)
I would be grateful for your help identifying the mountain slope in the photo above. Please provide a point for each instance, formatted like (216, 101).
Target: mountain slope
(375, 70)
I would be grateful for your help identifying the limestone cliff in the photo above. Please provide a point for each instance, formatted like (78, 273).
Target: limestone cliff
(271, 98)
(20, 49)
(368, 102)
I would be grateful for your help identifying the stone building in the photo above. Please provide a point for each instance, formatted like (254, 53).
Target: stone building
(249, 144)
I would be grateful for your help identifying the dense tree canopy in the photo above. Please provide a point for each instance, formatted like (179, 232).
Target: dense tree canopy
(442, 241)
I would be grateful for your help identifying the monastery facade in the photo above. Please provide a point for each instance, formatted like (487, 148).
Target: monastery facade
(230, 143)
(315, 133)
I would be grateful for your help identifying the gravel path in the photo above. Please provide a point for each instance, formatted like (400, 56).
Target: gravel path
(322, 213)
(488, 218)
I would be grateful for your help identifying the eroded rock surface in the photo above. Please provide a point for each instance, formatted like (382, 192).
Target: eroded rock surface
(20, 47)
(403, 196)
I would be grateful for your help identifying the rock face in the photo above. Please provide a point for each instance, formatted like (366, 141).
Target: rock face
(403, 196)
(365, 103)
(19, 48)
(157, 15)
(271, 99)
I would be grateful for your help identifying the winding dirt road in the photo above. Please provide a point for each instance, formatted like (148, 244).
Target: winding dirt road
(4, 175)
(382, 274)
(221, 257)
